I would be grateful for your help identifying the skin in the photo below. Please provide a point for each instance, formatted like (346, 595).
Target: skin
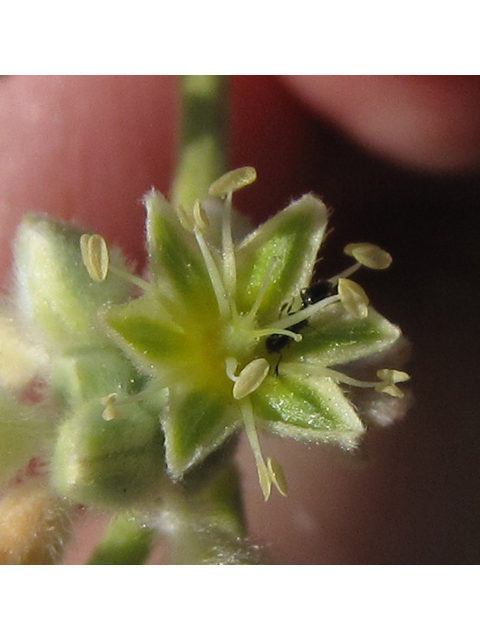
(397, 158)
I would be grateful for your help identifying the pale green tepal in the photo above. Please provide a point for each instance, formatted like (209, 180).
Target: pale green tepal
(57, 297)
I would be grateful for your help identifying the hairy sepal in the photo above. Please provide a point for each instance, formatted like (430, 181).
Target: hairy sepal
(54, 290)
(196, 423)
(334, 337)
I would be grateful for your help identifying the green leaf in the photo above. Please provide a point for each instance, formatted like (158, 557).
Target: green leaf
(307, 408)
(196, 423)
(176, 263)
(333, 336)
(54, 290)
(280, 255)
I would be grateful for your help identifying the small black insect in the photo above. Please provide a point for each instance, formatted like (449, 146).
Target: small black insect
(312, 294)
(317, 291)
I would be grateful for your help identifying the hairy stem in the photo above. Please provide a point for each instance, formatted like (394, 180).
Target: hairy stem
(202, 148)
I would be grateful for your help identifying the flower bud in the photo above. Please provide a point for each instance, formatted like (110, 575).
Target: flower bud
(54, 288)
(109, 463)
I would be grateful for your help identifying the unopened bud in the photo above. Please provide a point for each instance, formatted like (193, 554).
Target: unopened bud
(109, 463)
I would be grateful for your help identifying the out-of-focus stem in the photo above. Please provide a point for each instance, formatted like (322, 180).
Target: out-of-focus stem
(203, 131)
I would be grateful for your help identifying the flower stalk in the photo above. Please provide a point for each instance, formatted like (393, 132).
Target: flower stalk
(203, 137)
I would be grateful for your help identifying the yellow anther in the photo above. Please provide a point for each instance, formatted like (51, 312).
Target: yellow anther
(390, 378)
(353, 298)
(393, 375)
(277, 476)
(185, 218)
(110, 412)
(369, 255)
(84, 239)
(250, 378)
(265, 480)
(231, 365)
(95, 256)
(200, 217)
(232, 181)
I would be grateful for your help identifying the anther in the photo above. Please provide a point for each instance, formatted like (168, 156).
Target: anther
(277, 476)
(110, 402)
(232, 181)
(353, 298)
(390, 378)
(185, 219)
(265, 479)
(200, 217)
(369, 255)
(231, 365)
(250, 378)
(95, 256)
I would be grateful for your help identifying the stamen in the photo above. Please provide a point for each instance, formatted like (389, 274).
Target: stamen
(152, 393)
(390, 378)
(200, 217)
(283, 332)
(369, 255)
(95, 256)
(110, 402)
(353, 298)
(232, 181)
(228, 251)
(185, 218)
(346, 273)
(303, 314)
(251, 431)
(214, 274)
(132, 278)
(231, 365)
(337, 376)
(393, 375)
(277, 476)
(250, 378)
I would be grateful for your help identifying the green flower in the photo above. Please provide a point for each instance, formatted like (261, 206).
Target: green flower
(227, 327)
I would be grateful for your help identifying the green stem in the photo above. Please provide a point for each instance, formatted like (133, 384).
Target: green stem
(203, 126)
(128, 540)
(203, 521)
